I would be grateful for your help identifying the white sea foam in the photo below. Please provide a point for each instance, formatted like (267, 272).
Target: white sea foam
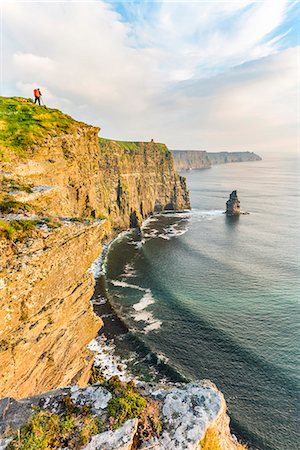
(145, 301)
(129, 271)
(127, 285)
(106, 359)
(99, 300)
(148, 221)
(148, 318)
(173, 231)
(96, 267)
(140, 313)
(138, 244)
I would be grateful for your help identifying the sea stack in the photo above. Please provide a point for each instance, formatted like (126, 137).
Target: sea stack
(233, 207)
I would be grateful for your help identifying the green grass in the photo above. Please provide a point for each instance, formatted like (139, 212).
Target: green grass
(126, 403)
(13, 228)
(10, 184)
(46, 430)
(132, 147)
(22, 123)
(8, 205)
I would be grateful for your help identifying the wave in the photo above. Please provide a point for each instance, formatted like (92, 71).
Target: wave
(129, 271)
(145, 301)
(172, 231)
(124, 284)
(106, 359)
(139, 314)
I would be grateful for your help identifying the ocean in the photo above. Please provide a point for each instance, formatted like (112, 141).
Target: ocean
(201, 295)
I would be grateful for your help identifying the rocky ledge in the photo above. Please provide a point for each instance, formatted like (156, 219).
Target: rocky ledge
(192, 416)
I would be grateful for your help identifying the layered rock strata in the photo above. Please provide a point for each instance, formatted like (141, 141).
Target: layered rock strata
(46, 319)
(188, 159)
(78, 175)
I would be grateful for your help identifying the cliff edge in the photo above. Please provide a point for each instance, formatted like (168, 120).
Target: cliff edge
(62, 192)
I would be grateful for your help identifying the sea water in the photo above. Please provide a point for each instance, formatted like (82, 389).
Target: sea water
(202, 295)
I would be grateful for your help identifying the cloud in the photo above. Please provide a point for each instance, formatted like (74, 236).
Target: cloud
(191, 74)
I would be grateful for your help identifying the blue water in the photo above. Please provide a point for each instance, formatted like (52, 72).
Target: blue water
(218, 298)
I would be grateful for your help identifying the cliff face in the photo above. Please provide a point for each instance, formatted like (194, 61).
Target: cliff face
(74, 174)
(185, 159)
(52, 166)
(46, 319)
(230, 157)
(200, 159)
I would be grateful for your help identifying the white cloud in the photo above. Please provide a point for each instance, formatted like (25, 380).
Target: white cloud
(193, 75)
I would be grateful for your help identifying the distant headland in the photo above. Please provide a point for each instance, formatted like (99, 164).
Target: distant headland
(201, 159)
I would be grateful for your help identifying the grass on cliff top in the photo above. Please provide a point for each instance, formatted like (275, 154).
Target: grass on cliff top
(23, 123)
(134, 147)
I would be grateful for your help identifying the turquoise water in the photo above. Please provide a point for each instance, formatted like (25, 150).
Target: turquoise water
(218, 298)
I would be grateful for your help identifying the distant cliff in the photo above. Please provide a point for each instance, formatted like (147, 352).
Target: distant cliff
(200, 159)
(62, 189)
(185, 159)
(231, 157)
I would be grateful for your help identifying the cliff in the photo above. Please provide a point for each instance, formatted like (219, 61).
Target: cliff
(200, 159)
(231, 157)
(62, 190)
(188, 159)
(73, 173)
(46, 319)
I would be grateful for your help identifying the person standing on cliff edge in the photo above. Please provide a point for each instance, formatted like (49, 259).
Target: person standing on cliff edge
(37, 96)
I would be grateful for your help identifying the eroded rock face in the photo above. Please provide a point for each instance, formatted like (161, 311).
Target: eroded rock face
(233, 206)
(46, 319)
(77, 174)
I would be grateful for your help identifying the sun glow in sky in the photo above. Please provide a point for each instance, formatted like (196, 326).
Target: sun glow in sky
(212, 75)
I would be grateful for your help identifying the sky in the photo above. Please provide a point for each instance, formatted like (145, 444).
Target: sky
(213, 75)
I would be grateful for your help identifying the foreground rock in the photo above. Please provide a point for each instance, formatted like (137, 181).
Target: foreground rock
(120, 439)
(233, 205)
(193, 416)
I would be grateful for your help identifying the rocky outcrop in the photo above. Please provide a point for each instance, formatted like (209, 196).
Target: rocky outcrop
(46, 319)
(193, 417)
(233, 205)
(200, 159)
(191, 159)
